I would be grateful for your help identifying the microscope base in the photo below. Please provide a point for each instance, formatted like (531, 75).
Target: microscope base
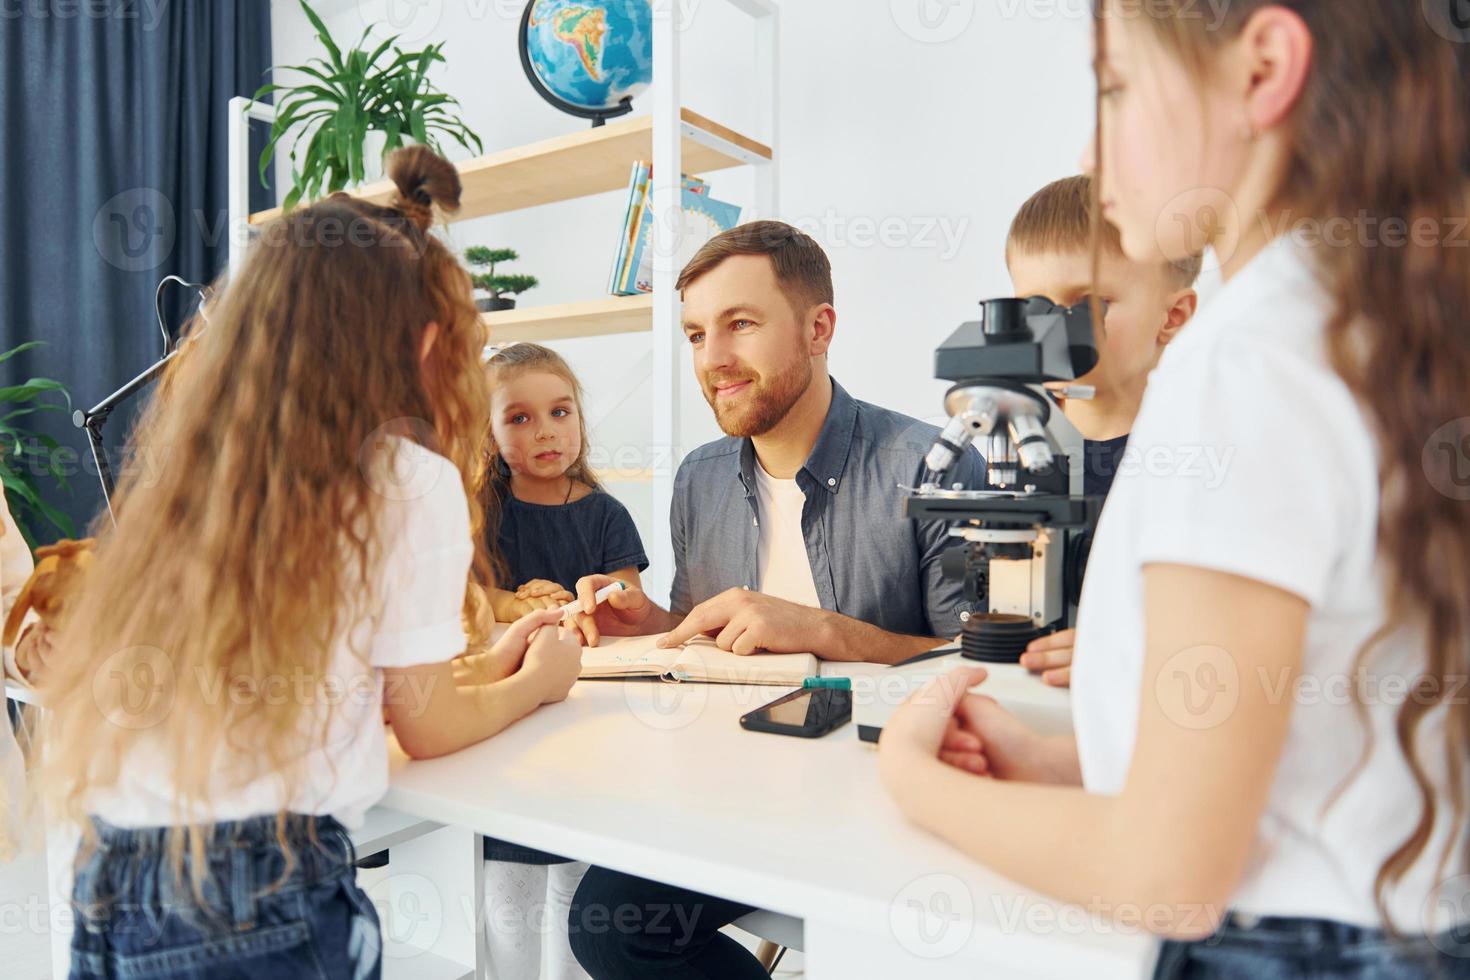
(997, 638)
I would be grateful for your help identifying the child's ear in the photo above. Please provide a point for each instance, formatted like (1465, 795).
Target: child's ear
(1181, 310)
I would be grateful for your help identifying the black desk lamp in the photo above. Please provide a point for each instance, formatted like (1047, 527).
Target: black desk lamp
(94, 419)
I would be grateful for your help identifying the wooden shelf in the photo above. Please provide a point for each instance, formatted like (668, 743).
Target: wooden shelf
(589, 161)
(592, 318)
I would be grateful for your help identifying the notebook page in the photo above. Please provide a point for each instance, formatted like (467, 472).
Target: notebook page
(701, 660)
(627, 656)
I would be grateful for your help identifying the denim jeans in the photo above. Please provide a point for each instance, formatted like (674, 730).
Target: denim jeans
(1288, 949)
(136, 919)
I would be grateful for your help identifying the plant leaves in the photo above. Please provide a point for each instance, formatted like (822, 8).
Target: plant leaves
(28, 345)
(324, 35)
(29, 390)
(357, 96)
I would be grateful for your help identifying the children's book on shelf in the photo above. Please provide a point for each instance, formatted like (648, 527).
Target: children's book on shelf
(701, 218)
(637, 189)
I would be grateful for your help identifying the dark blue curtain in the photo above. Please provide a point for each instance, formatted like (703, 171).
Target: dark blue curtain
(112, 176)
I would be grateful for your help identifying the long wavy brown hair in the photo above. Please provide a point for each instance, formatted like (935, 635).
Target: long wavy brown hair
(1381, 132)
(509, 362)
(239, 555)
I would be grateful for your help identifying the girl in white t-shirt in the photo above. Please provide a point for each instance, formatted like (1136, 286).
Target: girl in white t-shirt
(1272, 723)
(308, 554)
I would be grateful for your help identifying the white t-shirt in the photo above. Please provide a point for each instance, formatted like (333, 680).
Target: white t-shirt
(782, 566)
(1250, 456)
(416, 618)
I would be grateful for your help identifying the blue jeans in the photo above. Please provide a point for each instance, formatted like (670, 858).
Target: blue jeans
(1287, 949)
(136, 919)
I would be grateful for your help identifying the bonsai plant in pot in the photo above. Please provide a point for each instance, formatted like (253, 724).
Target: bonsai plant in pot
(502, 287)
(349, 94)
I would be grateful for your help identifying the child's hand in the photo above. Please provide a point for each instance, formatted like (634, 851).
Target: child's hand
(548, 592)
(488, 666)
(554, 658)
(1052, 657)
(510, 606)
(33, 650)
(512, 647)
(524, 607)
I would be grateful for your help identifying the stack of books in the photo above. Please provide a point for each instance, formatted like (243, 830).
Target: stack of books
(701, 218)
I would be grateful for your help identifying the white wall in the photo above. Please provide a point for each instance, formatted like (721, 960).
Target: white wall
(911, 130)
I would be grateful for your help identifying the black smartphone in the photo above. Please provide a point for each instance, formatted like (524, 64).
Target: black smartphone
(809, 713)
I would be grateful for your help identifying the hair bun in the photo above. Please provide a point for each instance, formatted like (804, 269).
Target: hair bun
(424, 179)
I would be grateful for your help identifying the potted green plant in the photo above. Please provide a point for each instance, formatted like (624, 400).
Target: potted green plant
(26, 456)
(501, 287)
(349, 94)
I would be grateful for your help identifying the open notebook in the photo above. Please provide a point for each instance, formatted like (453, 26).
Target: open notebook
(697, 660)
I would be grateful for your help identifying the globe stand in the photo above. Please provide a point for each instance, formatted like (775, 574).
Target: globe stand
(599, 117)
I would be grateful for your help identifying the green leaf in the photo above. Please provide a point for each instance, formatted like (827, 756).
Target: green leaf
(19, 485)
(342, 127)
(29, 390)
(511, 284)
(378, 51)
(359, 93)
(29, 345)
(331, 79)
(22, 412)
(56, 518)
(310, 95)
(323, 34)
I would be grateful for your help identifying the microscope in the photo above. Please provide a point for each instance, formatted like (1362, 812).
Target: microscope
(1020, 542)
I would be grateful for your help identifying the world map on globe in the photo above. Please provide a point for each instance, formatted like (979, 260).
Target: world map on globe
(591, 53)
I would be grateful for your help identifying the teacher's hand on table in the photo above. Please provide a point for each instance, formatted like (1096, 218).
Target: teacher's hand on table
(627, 612)
(1051, 656)
(746, 622)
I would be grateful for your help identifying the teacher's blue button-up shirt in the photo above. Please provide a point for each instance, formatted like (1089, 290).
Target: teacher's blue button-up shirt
(868, 561)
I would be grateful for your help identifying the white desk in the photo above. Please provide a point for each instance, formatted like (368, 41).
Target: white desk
(660, 781)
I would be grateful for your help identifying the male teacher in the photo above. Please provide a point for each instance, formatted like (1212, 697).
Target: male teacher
(789, 537)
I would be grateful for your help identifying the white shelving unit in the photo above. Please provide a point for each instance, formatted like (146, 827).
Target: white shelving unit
(592, 161)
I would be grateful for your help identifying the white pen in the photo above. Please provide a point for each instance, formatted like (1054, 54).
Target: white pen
(575, 606)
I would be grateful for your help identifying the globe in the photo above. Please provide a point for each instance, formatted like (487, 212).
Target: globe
(588, 57)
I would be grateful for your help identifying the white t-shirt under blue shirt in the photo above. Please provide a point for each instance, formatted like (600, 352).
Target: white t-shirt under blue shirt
(1253, 458)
